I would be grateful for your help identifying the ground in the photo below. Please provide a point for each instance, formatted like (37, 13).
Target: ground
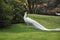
(29, 32)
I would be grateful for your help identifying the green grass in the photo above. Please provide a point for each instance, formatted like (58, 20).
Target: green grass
(29, 32)
(47, 21)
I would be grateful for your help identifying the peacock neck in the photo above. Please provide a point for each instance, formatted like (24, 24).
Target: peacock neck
(25, 15)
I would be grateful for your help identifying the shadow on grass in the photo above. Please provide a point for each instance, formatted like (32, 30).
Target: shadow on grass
(18, 28)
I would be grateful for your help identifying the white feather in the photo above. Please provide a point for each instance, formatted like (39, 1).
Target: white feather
(36, 24)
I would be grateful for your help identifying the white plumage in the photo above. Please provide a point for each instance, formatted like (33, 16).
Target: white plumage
(36, 24)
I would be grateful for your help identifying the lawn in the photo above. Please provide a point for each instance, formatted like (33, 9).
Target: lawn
(29, 32)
